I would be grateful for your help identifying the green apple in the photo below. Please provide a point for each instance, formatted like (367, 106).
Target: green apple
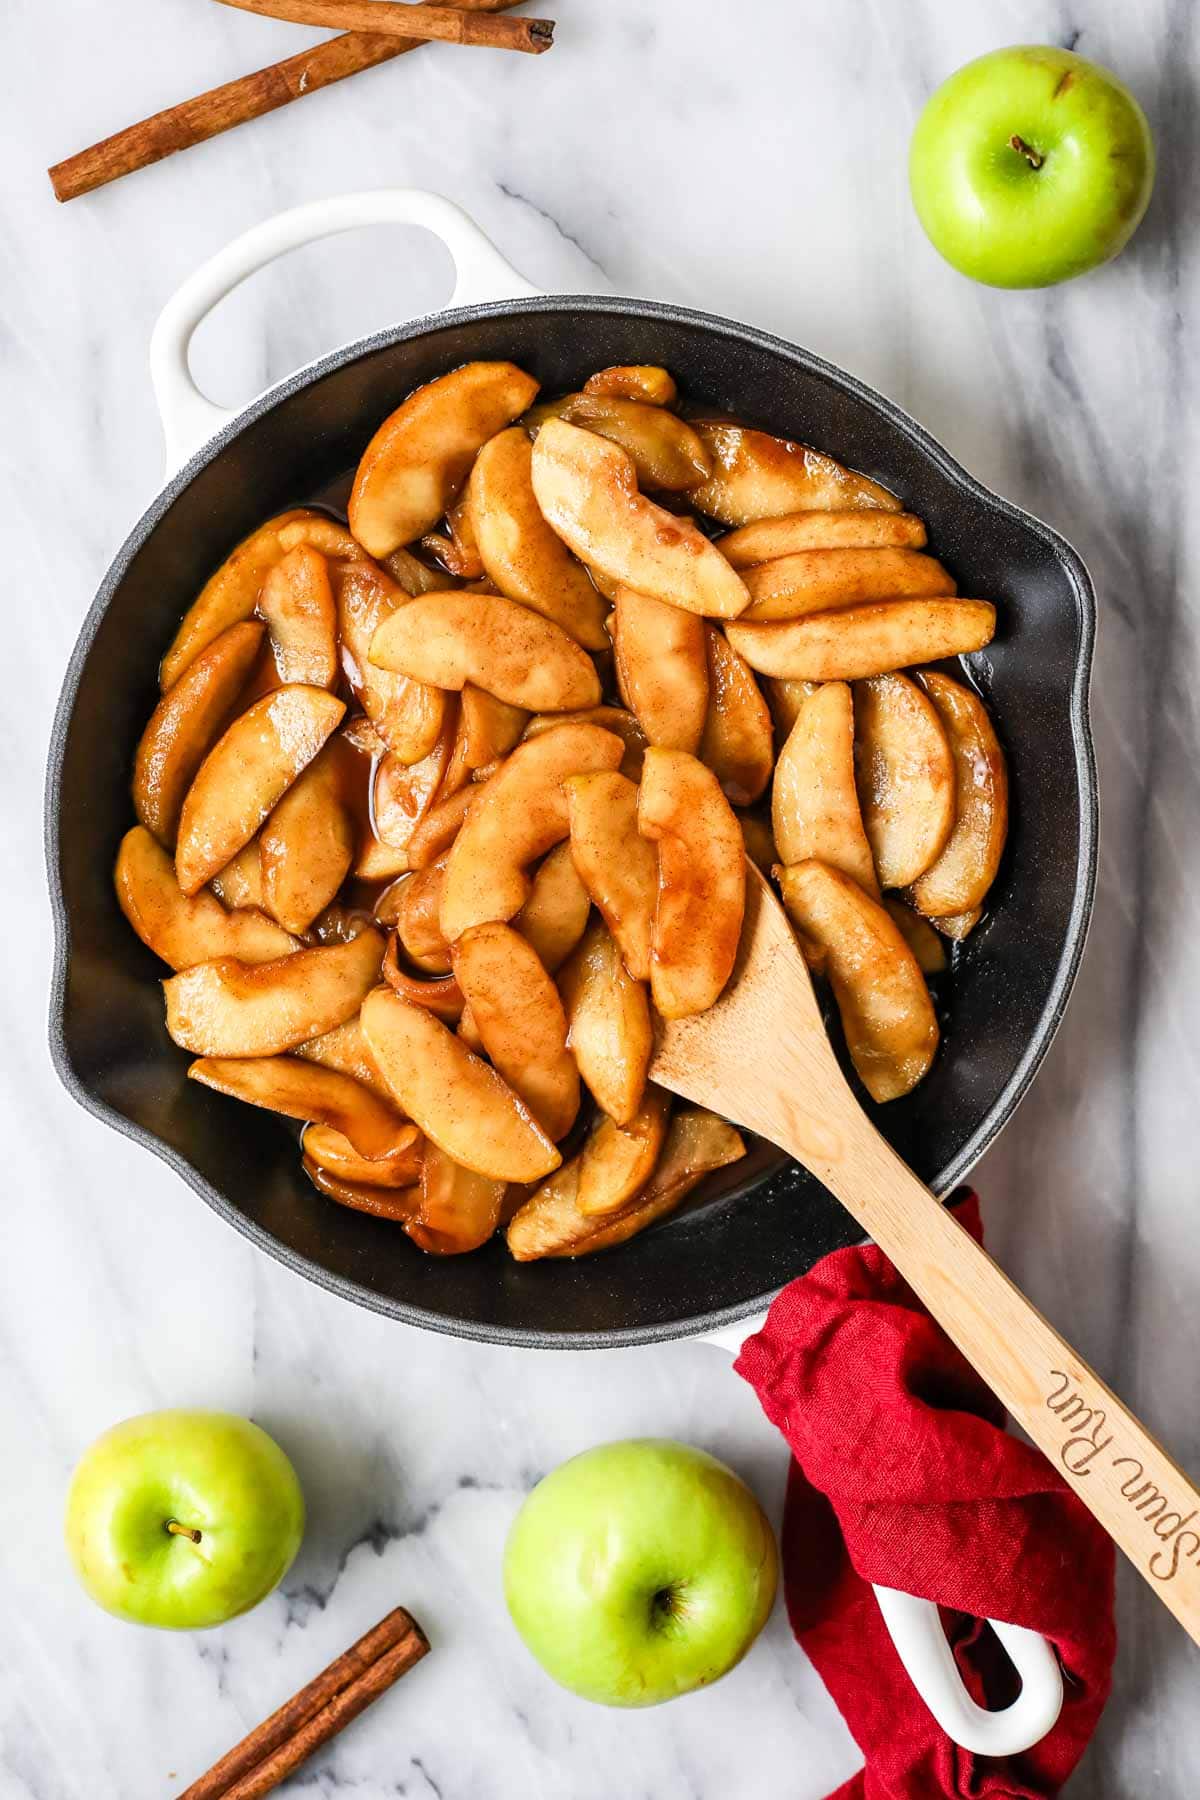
(1031, 165)
(183, 1519)
(639, 1571)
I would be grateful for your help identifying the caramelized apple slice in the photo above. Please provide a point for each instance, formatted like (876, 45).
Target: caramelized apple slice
(785, 698)
(859, 641)
(887, 1016)
(416, 915)
(232, 1008)
(227, 598)
(414, 466)
(246, 774)
(345, 1049)
(919, 935)
(184, 725)
(404, 793)
(298, 606)
(187, 931)
(487, 730)
(738, 743)
(814, 801)
(618, 867)
(457, 548)
(662, 668)
(303, 1090)
(459, 1210)
(398, 1204)
(408, 715)
(666, 452)
(612, 718)
(442, 996)
(608, 1019)
(239, 884)
(769, 539)
(957, 926)
(319, 532)
(634, 381)
(414, 575)
(440, 826)
(618, 1160)
(960, 878)
(520, 1020)
(814, 581)
(757, 476)
(306, 846)
(701, 882)
(555, 916)
(523, 558)
(460, 1103)
(509, 651)
(334, 1152)
(905, 776)
(551, 1223)
(587, 490)
(521, 814)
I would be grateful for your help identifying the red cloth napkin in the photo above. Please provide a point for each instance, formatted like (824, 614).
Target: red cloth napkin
(905, 1476)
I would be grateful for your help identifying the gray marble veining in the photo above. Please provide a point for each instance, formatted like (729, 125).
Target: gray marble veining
(756, 168)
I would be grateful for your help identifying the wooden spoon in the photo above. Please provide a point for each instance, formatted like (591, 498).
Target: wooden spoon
(761, 1057)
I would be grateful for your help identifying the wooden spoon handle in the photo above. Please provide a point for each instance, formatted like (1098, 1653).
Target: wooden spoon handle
(1141, 1497)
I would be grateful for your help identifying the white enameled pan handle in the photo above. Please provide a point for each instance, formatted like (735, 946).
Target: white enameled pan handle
(916, 1631)
(189, 418)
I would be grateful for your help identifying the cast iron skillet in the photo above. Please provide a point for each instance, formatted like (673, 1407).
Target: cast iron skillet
(722, 1261)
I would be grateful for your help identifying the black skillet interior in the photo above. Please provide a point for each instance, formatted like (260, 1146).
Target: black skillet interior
(723, 1259)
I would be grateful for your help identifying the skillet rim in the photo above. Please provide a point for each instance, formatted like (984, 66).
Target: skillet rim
(1006, 1103)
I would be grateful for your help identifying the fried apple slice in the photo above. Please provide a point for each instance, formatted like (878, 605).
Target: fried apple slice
(187, 931)
(662, 668)
(919, 935)
(227, 598)
(634, 381)
(957, 926)
(608, 1023)
(246, 774)
(414, 466)
(185, 724)
(521, 814)
(618, 867)
(523, 558)
(408, 715)
(498, 645)
(555, 916)
(666, 452)
(759, 840)
(404, 793)
(618, 1160)
(887, 1016)
(814, 581)
(960, 878)
(814, 802)
(298, 606)
(701, 882)
(551, 1223)
(306, 846)
(587, 490)
(785, 698)
(856, 642)
(442, 996)
(345, 1049)
(738, 744)
(303, 1090)
(520, 1019)
(905, 776)
(769, 539)
(397, 1204)
(232, 1008)
(460, 1103)
(416, 915)
(239, 884)
(459, 1209)
(334, 1153)
(457, 548)
(415, 576)
(487, 730)
(440, 826)
(319, 532)
(612, 718)
(757, 476)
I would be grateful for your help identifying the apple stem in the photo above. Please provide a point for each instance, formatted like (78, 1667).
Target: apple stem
(187, 1531)
(1033, 157)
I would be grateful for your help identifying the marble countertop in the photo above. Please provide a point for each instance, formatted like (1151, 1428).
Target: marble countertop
(756, 169)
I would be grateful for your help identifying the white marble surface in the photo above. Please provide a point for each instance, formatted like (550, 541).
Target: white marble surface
(756, 170)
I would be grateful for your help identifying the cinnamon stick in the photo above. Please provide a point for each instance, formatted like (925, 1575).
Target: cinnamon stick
(276, 1748)
(401, 18)
(221, 108)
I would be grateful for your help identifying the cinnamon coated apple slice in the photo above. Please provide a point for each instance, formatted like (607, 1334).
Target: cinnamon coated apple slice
(246, 774)
(588, 491)
(398, 1204)
(345, 1048)
(814, 581)
(334, 1151)
(612, 718)
(441, 994)
(187, 931)
(239, 884)
(737, 744)
(298, 605)
(415, 912)
(520, 1020)
(666, 452)
(458, 1101)
(618, 1160)
(768, 539)
(487, 730)
(408, 715)
(228, 597)
(757, 476)
(185, 724)
(815, 810)
(905, 775)
(441, 825)
(233, 1008)
(404, 793)
(555, 916)
(523, 557)
(785, 698)
(618, 867)
(856, 642)
(919, 935)
(701, 881)
(495, 643)
(414, 466)
(662, 668)
(521, 814)
(888, 1018)
(960, 878)
(634, 381)
(608, 1021)
(459, 1208)
(306, 846)
(303, 1090)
